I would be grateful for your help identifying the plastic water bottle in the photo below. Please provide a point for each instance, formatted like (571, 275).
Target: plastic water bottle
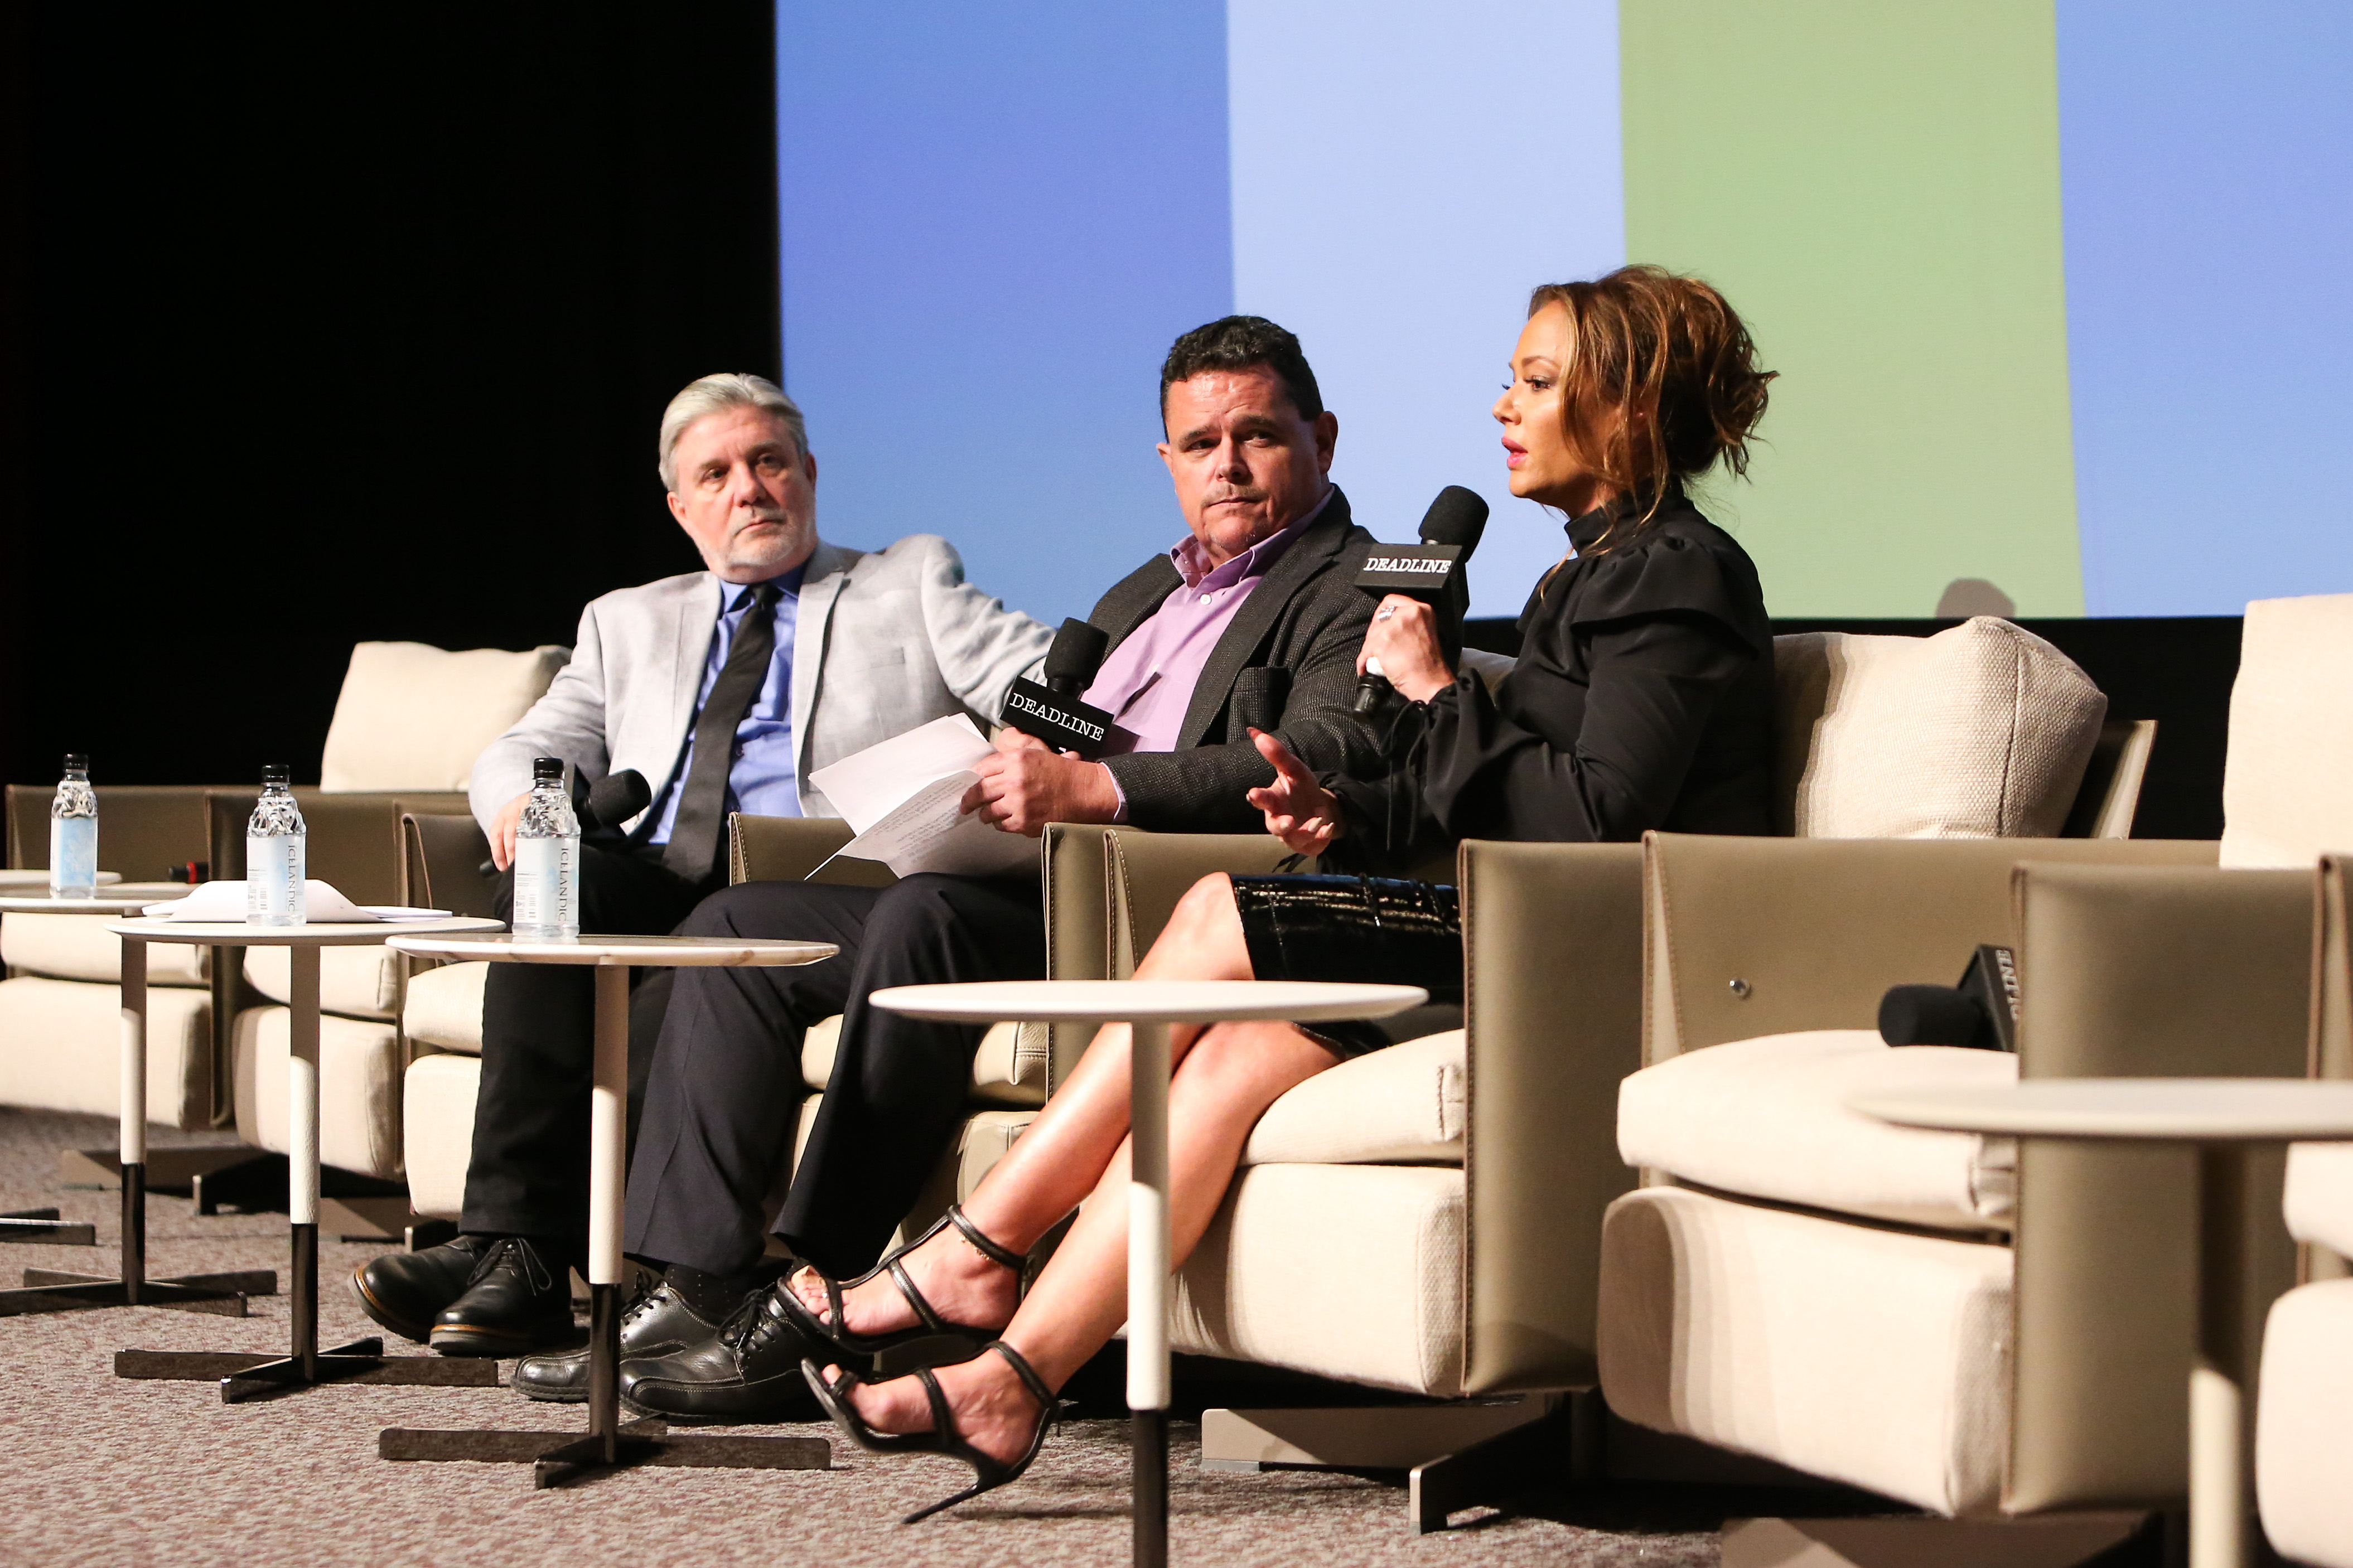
(547, 858)
(73, 833)
(276, 858)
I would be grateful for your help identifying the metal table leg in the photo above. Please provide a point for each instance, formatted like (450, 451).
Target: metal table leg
(47, 1290)
(559, 1458)
(1147, 1290)
(248, 1377)
(2218, 1473)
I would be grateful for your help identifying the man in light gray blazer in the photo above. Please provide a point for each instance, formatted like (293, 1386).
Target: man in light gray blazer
(727, 688)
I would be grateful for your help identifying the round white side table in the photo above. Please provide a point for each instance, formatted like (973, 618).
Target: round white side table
(244, 1376)
(1150, 1006)
(558, 1456)
(2222, 1117)
(25, 882)
(51, 1291)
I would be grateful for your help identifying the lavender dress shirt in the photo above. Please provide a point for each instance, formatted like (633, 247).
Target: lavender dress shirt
(1148, 681)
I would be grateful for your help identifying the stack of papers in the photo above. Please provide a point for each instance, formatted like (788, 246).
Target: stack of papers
(903, 798)
(223, 903)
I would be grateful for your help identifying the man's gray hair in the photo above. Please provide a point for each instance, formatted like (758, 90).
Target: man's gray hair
(716, 394)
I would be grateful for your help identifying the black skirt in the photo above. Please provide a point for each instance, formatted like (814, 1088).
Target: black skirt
(1370, 929)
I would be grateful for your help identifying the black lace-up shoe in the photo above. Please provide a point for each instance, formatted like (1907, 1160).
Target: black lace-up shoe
(749, 1370)
(515, 1301)
(656, 1324)
(406, 1291)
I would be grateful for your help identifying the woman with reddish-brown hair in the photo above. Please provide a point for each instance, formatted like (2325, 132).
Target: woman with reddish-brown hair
(1641, 699)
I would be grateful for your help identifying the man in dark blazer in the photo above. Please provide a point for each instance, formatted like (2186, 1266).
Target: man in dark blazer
(1254, 620)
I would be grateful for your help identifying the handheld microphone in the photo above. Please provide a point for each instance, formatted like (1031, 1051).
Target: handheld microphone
(614, 799)
(1053, 712)
(1431, 571)
(1980, 1012)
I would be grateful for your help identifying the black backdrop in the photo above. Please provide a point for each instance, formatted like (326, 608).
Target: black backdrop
(347, 328)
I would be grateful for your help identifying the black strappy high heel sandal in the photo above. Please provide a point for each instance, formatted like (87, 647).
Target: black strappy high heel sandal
(988, 1473)
(929, 1325)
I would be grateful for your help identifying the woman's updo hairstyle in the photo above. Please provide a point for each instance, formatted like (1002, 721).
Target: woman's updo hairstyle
(1661, 387)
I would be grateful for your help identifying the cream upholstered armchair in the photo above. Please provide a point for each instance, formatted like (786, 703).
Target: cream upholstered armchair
(1967, 1328)
(407, 726)
(2304, 1422)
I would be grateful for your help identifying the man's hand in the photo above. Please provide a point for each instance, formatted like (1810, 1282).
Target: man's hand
(1025, 786)
(503, 831)
(1403, 638)
(1299, 811)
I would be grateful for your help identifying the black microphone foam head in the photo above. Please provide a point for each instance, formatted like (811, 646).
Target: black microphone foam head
(1935, 1016)
(1458, 516)
(614, 798)
(1077, 653)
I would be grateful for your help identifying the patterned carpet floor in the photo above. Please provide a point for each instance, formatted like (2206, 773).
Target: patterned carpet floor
(108, 1471)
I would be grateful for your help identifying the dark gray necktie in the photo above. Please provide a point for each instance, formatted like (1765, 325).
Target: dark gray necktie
(702, 799)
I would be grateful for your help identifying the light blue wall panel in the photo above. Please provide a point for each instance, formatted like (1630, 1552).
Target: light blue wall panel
(996, 217)
(1403, 174)
(2206, 154)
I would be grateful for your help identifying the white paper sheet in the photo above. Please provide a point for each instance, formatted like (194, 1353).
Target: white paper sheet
(901, 799)
(223, 903)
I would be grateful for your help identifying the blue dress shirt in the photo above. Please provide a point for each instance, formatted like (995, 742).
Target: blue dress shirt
(764, 779)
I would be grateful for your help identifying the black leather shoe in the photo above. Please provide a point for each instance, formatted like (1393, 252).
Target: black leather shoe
(656, 1324)
(406, 1291)
(749, 1370)
(515, 1301)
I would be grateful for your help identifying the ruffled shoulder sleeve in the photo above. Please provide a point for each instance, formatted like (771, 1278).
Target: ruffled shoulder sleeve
(1683, 567)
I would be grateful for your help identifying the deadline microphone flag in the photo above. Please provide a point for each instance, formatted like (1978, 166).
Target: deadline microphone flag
(1053, 712)
(1431, 572)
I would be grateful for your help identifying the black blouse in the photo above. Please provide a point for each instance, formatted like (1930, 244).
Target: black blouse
(1643, 699)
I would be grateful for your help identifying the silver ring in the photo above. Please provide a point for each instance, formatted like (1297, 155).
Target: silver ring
(1387, 613)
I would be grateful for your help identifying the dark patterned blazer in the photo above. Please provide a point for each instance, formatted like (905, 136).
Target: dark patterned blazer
(1286, 664)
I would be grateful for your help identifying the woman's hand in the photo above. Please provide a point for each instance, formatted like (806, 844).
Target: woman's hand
(1402, 644)
(1299, 811)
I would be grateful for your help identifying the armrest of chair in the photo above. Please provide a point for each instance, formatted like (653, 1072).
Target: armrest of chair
(144, 831)
(354, 837)
(441, 865)
(2110, 792)
(1746, 937)
(2143, 972)
(787, 848)
(1553, 947)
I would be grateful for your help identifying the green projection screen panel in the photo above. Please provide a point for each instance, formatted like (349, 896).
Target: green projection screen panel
(1875, 188)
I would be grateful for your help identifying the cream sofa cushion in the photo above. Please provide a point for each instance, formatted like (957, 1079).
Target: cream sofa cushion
(61, 1048)
(1399, 1106)
(354, 981)
(2291, 749)
(2303, 1425)
(2319, 1200)
(436, 1130)
(1348, 1271)
(444, 1008)
(1008, 1070)
(1980, 731)
(414, 717)
(1861, 1354)
(1768, 1118)
(359, 1088)
(80, 947)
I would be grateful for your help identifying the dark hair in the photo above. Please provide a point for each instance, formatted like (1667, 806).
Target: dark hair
(1242, 342)
(1668, 358)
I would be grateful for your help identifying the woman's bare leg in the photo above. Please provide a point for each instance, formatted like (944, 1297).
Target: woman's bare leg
(1234, 1072)
(1057, 1159)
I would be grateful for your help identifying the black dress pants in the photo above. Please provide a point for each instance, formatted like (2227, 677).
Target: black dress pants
(722, 1101)
(528, 1174)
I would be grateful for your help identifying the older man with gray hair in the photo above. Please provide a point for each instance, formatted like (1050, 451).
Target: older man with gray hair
(726, 688)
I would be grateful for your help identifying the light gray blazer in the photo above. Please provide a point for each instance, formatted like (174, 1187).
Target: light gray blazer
(884, 641)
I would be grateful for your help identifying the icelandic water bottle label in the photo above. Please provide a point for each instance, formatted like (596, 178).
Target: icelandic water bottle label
(546, 884)
(73, 856)
(273, 880)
